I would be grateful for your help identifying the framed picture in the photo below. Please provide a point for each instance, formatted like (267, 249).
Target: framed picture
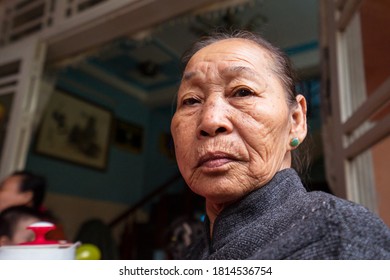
(128, 136)
(75, 130)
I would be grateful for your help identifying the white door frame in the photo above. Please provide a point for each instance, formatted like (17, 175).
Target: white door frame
(25, 85)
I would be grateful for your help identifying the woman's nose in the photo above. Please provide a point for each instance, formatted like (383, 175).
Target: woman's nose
(214, 119)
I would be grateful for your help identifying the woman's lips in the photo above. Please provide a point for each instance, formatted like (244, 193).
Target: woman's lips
(215, 160)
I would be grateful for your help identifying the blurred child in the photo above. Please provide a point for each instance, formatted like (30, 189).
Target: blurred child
(14, 222)
(25, 188)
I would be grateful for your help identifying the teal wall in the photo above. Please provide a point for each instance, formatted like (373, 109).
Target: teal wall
(129, 176)
(159, 165)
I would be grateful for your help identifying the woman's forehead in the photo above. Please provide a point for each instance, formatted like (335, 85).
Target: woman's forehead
(228, 58)
(234, 46)
(230, 53)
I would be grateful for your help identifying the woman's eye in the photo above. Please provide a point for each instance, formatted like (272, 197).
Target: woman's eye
(242, 92)
(190, 101)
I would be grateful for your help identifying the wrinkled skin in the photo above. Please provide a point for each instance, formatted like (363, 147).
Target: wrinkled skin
(232, 126)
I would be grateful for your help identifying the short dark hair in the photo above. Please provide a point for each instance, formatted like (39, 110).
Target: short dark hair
(282, 68)
(34, 183)
(12, 215)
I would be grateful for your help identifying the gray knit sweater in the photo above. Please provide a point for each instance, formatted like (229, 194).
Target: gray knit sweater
(282, 220)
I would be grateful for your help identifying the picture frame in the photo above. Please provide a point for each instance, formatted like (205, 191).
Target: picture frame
(75, 130)
(128, 136)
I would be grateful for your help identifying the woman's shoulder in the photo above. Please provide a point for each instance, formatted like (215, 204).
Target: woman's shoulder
(333, 205)
(323, 226)
(353, 225)
(339, 210)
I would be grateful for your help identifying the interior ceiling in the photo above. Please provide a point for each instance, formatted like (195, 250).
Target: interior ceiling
(146, 65)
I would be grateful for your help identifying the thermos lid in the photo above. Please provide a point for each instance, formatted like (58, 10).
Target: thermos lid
(40, 229)
(40, 248)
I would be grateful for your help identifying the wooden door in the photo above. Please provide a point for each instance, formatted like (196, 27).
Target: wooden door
(355, 40)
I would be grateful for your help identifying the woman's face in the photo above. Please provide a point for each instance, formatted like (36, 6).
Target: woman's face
(232, 125)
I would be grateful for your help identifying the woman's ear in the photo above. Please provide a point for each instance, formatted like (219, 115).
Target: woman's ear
(298, 120)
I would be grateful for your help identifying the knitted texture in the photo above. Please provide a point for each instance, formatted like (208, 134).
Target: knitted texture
(281, 220)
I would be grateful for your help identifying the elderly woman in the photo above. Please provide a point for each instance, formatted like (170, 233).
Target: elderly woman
(237, 123)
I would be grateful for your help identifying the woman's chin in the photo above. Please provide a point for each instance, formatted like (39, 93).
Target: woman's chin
(216, 191)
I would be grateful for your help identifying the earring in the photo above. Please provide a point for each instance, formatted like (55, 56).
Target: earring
(294, 142)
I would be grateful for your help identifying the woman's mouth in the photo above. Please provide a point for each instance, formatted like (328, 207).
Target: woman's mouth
(215, 160)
